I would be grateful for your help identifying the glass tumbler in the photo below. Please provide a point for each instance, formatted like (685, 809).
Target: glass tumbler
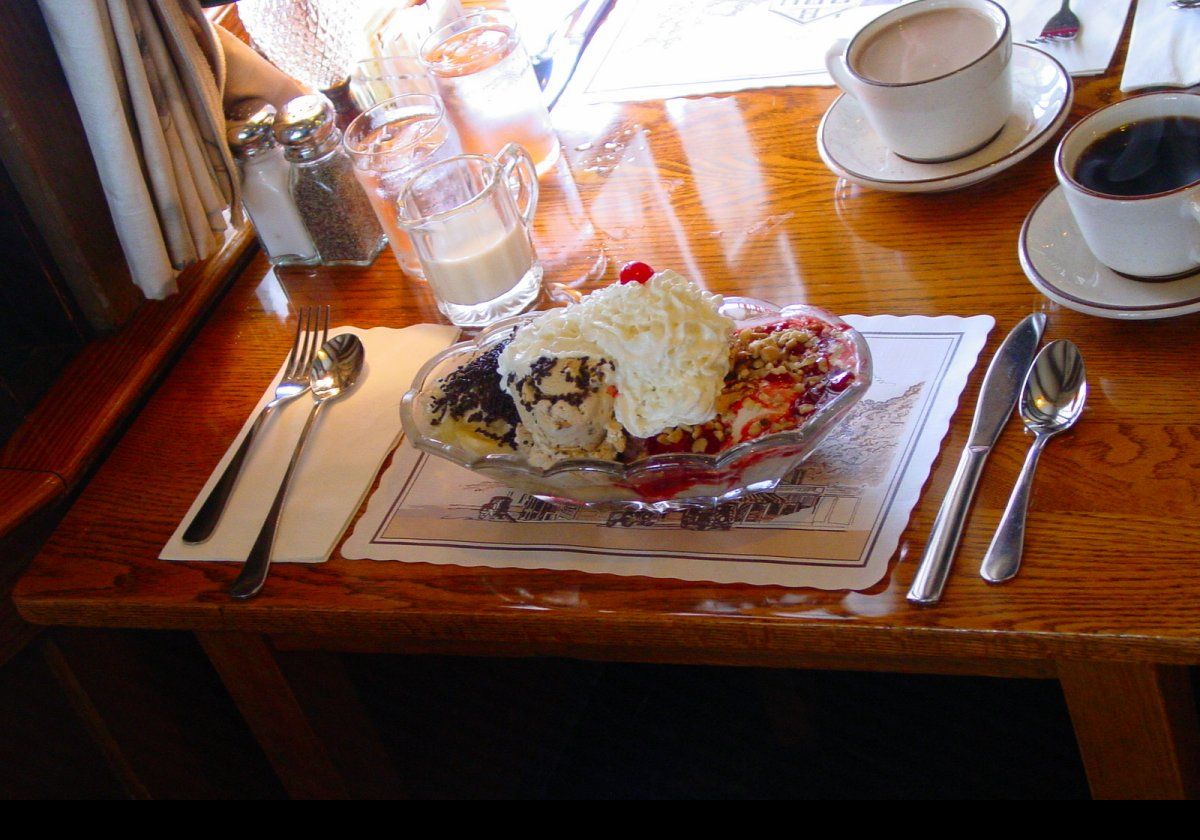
(469, 219)
(376, 80)
(387, 143)
(399, 27)
(485, 79)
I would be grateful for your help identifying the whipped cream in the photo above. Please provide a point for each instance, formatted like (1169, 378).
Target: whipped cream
(668, 344)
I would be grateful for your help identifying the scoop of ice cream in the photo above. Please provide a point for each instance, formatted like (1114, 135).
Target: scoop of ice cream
(566, 410)
(665, 339)
(469, 404)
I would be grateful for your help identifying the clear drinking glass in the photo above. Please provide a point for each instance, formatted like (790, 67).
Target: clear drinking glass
(485, 79)
(401, 26)
(387, 143)
(377, 80)
(469, 219)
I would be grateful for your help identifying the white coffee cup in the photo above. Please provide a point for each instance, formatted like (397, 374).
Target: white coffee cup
(1151, 237)
(932, 77)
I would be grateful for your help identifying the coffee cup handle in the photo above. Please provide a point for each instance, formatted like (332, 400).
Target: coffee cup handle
(1194, 206)
(839, 70)
(519, 174)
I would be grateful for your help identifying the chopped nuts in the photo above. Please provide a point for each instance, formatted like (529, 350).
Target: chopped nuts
(782, 370)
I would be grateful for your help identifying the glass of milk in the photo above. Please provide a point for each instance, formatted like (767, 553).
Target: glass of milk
(468, 217)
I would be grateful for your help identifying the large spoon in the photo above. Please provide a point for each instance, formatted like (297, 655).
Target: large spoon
(1051, 402)
(334, 372)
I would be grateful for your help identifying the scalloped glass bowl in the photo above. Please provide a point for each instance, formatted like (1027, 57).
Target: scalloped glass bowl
(658, 481)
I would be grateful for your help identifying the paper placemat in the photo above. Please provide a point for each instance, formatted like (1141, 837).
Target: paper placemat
(345, 449)
(660, 49)
(833, 524)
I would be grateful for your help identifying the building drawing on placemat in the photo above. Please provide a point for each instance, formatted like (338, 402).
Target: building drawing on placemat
(823, 493)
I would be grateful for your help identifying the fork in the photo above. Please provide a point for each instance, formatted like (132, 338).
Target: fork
(1063, 26)
(312, 330)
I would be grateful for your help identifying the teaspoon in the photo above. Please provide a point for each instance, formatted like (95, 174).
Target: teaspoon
(1051, 402)
(334, 372)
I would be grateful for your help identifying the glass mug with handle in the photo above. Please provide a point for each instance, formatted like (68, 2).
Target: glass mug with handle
(468, 217)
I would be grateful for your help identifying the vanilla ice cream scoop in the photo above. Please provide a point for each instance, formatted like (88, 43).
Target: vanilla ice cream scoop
(666, 341)
(566, 410)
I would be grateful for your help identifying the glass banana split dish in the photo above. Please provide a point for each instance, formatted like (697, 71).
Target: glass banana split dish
(649, 392)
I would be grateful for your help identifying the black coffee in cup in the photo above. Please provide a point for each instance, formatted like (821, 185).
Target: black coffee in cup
(1142, 158)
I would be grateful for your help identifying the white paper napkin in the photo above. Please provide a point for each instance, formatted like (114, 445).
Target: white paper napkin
(146, 80)
(345, 449)
(1101, 23)
(1164, 49)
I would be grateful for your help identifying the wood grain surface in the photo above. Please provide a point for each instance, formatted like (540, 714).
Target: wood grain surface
(730, 191)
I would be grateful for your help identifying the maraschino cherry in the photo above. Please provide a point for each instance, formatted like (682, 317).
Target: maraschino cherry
(636, 272)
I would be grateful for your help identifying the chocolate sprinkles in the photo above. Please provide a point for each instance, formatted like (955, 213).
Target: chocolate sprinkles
(472, 394)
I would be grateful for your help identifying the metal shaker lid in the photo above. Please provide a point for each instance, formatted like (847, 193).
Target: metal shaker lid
(306, 128)
(248, 127)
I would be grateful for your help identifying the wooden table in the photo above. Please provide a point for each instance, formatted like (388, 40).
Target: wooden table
(729, 190)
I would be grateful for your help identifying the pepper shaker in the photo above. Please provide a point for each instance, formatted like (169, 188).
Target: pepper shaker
(335, 210)
(266, 190)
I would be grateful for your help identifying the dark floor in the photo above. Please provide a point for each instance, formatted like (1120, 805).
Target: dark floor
(560, 729)
(44, 749)
(469, 728)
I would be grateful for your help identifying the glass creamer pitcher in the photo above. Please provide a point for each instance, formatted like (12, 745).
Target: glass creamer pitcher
(468, 217)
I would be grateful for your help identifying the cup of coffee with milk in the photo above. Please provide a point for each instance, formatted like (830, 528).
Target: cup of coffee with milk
(933, 77)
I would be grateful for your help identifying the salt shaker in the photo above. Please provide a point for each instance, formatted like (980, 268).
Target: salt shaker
(266, 193)
(335, 210)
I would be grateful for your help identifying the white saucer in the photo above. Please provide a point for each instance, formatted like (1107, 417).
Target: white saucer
(1059, 264)
(1042, 94)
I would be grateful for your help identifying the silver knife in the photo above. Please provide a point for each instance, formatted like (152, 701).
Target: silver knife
(555, 65)
(997, 398)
